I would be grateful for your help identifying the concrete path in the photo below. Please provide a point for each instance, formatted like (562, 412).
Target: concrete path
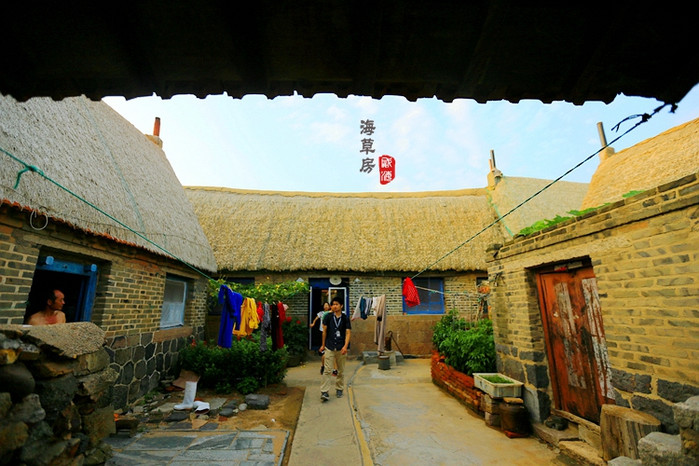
(398, 417)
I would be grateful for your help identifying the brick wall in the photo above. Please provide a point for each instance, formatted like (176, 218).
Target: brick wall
(128, 301)
(458, 384)
(644, 251)
(412, 332)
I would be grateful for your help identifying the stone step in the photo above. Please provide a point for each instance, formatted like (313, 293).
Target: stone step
(553, 436)
(581, 452)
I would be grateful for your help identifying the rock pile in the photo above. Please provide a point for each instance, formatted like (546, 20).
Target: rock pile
(55, 394)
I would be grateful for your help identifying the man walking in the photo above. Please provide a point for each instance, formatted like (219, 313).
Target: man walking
(336, 337)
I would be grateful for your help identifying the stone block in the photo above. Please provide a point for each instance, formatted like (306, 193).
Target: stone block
(257, 401)
(12, 436)
(492, 419)
(658, 448)
(17, 380)
(45, 369)
(56, 393)
(554, 436)
(99, 425)
(93, 385)
(5, 403)
(29, 410)
(93, 362)
(590, 434)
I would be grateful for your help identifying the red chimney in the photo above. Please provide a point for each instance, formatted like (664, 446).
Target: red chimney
(156, 127)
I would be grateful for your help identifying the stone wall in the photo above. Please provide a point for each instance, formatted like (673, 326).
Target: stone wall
(143, 360)
(55, 394)
(644, 251)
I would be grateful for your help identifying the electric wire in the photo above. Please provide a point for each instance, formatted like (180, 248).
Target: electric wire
(644, 118)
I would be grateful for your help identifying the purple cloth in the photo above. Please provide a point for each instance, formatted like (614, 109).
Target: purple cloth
(230, 315)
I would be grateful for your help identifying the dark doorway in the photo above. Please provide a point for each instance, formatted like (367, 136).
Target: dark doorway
(322, 291)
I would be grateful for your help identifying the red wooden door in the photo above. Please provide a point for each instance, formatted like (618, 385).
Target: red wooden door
(575, 342)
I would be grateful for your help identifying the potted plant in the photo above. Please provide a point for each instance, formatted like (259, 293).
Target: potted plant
(497, 385)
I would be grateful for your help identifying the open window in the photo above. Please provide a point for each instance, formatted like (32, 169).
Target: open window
(75, 278)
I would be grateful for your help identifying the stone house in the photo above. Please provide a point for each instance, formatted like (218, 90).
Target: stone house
(91, 206)
(602, 308)
(365, 245)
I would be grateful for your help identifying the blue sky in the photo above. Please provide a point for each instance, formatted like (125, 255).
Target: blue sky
(313, 144)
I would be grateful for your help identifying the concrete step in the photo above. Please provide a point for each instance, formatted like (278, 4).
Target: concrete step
(581, 452)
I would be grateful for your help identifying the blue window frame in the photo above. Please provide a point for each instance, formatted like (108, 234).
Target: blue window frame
(77, 281)
(431, 292)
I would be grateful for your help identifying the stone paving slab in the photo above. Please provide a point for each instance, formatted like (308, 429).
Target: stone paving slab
(224, 448)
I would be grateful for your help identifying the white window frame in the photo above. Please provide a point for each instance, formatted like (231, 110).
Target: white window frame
(174, 300)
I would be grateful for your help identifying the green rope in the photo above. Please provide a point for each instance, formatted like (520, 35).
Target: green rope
(644, 118)
(34, 169)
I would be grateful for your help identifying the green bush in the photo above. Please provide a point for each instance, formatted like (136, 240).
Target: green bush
(295, 335)
(467, 346)
(222, 368)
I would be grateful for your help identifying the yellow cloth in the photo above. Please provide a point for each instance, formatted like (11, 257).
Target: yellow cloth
(249, 319)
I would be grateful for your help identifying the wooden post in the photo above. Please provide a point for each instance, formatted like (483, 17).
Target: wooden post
(621, 429)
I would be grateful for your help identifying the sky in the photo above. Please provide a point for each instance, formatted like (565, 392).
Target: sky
(314, 144)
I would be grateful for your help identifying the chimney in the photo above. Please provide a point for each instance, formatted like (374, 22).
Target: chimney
(606, 151)
(494, 175)
(155, 137)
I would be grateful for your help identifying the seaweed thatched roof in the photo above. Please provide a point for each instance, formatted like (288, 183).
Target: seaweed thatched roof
(666, 157)
(89, 149)
(345, 232)
(558, 199)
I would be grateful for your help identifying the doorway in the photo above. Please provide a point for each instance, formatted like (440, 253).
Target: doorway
(323, 291)
(575, 343)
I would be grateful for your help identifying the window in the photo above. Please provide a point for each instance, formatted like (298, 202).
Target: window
(75, 278)
(173, 303)
(431, 292)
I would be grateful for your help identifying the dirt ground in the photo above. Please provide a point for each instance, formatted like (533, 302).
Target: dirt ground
(282, 413)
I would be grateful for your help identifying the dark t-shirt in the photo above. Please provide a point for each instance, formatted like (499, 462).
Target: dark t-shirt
(334, 342)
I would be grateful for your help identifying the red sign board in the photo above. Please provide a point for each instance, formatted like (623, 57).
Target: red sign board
(387, 169)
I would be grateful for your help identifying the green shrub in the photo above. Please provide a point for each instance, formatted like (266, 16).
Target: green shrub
(467, 346)
(221, 368)
(295, 335)
(247, 385)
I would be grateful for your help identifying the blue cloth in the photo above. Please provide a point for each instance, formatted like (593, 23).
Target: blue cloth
(230, 315)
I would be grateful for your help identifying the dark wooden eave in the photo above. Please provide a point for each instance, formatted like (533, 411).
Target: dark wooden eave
(482, 50)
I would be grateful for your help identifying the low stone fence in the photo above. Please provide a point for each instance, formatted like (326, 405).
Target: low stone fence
(55, 394)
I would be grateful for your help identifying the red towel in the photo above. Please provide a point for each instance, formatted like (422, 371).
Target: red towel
(410, 293)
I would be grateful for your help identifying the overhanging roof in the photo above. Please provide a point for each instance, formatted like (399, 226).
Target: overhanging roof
(482, 50)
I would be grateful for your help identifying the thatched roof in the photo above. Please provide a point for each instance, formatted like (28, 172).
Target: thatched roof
(658, 160)
(344, 232)
(560, 198)
(91, 150)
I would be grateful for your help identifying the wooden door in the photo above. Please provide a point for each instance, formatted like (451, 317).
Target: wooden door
(575, 342)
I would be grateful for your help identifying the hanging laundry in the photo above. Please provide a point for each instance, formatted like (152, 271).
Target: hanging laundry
(362, 308)
(412, 298)
(265, 326)
(379, 308)
(248, 319)
(230, 315)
